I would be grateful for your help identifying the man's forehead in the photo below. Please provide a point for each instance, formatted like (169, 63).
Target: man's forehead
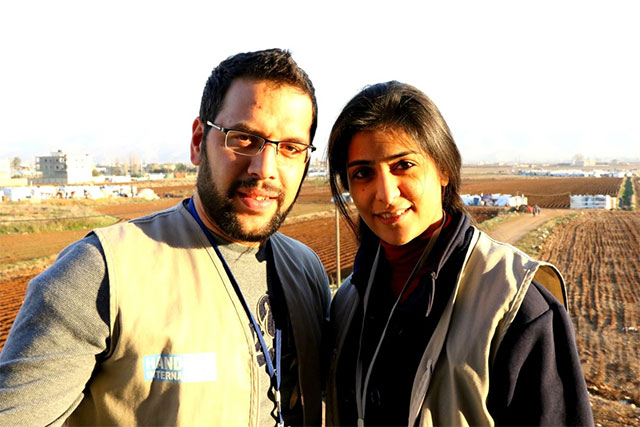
(249, 99)
(249, 85)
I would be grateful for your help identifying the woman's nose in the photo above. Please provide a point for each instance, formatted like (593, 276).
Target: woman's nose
(387, 188)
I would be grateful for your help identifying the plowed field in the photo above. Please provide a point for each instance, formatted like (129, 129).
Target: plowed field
(598, 256)
(319, 234)
(547, 192)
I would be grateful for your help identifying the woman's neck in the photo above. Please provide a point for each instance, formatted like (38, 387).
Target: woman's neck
(403, 259)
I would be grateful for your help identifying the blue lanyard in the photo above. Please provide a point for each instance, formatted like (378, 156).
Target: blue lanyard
(275, 374)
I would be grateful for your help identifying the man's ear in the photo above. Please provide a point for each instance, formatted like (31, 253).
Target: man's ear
(196, 141)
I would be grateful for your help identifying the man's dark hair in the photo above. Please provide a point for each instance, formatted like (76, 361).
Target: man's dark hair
(396, 106)
(274, 65)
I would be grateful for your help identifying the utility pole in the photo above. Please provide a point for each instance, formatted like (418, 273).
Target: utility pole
(338, 279)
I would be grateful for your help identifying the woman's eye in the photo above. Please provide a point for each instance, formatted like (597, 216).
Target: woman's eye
(361, 173)
(404, 164)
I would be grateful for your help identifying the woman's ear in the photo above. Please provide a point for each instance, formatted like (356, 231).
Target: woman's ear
(444, 179)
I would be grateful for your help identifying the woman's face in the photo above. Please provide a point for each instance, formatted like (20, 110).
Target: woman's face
(394, 185)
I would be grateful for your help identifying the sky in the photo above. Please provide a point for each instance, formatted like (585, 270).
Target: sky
(516, 81)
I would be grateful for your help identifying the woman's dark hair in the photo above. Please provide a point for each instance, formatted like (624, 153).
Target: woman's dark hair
(397, 106)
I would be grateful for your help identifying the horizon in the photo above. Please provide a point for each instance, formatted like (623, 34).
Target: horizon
(124, 159)
(570, 163)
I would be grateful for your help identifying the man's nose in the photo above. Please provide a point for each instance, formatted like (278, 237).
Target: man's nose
(264, 164)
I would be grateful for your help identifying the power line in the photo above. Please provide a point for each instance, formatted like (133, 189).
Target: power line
(547, 195)
(72, 217)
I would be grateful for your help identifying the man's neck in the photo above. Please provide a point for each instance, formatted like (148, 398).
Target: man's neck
(213, 227)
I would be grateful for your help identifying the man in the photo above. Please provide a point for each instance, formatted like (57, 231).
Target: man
(199, 315)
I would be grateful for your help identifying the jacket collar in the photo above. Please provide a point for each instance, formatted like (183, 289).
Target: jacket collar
(451, 238)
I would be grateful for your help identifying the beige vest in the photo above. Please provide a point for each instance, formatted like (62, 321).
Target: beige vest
(176, 319)
(452, 382)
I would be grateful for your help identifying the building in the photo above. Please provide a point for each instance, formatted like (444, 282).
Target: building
(61, 168)
(598, 201)
(494, 200)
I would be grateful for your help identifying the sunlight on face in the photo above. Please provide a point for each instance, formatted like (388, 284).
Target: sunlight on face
(396, 188)
(246, 198)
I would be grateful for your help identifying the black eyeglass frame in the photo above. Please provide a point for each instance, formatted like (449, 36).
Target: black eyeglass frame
(266, 141)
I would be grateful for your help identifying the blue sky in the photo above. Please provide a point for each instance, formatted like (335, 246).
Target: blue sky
(527, 81)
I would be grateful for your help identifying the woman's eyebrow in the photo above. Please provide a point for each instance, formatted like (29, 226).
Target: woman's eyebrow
(384, 159)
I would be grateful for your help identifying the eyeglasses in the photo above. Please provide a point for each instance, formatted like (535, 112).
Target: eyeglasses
(247, 144)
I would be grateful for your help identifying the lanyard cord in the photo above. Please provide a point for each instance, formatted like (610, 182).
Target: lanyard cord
(361, 389)
(274, 374)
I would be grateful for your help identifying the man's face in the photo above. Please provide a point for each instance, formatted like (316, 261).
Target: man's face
(246, 198)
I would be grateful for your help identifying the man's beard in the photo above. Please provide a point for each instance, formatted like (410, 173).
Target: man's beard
(219, 208)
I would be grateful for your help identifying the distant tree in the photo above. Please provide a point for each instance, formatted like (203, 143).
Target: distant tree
(181, 167)
(95, 172)
(16, 163)
(154, 168)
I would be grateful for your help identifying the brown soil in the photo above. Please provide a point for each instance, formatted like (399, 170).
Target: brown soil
(548, 192)
(319, 234)
(597, 253)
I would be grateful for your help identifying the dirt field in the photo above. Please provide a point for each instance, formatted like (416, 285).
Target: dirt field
(597, 253)
(547, 192)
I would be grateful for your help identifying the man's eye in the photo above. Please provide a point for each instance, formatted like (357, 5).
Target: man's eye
(291, 148)
(243, 139)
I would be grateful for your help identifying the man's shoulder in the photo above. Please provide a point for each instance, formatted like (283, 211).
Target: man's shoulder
(171, 224)
(295, 258)
(159, 214)
(87, 250)
(151, 217)
(292, 246)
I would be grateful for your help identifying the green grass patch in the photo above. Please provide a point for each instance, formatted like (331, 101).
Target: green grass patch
(57, 215)
(626, 193)
(21, 268)
(56, 225)
(532, 242)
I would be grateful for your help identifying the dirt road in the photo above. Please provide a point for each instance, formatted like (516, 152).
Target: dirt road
(513, 230)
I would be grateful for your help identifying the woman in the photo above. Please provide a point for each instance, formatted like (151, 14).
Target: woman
(438, 324)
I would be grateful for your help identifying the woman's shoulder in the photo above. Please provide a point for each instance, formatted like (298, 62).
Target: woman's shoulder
(537, 301)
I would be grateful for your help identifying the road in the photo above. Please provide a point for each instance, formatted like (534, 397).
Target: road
(513, 230)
